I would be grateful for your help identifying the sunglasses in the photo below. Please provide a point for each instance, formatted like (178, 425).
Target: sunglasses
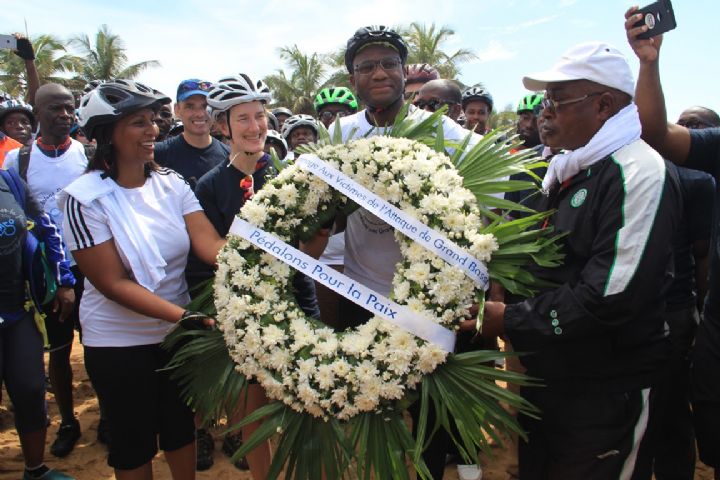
(188, 86)
(328, 115)
(432, 105)
(553, 105)
(369, 67)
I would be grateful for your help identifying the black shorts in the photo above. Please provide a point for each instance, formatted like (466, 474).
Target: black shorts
(142, 405)
(60, 334)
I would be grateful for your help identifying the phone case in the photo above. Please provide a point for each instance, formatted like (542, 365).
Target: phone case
(659, 17)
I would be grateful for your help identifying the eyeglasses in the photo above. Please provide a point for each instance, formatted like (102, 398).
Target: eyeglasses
(433, 105)
(192, 85)
(165, 114)
(555, 104)
(328, 115)
(366, 68)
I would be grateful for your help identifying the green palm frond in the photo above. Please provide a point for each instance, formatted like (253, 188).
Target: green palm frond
(204, 370)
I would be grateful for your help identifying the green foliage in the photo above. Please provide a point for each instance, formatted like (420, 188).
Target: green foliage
(505, 118)
(52, 59)
(425, 46)
(298, 89)
(104, 58)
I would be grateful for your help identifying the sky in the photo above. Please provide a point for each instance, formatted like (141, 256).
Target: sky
(512, 38)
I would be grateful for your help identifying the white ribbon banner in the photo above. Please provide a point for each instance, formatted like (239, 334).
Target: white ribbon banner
(396, 314)
(429, 238)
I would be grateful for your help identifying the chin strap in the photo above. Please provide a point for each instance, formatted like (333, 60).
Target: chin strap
(370, 109)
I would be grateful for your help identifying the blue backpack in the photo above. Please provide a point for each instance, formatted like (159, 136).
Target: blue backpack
(38, 274)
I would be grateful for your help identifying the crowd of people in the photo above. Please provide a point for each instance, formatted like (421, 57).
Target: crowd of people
(132, 199)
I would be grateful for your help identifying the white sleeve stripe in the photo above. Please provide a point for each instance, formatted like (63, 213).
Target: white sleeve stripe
(643, 175)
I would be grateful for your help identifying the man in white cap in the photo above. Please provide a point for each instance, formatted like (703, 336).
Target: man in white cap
(596, 338)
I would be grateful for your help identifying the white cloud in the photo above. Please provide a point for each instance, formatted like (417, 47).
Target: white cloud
(530, 23)
(495, 51)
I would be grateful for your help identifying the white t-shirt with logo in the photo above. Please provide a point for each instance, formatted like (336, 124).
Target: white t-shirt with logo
(46, 176)
(160, 206)
(371, 251)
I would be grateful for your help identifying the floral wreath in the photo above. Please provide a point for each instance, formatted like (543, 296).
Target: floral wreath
(350, 387)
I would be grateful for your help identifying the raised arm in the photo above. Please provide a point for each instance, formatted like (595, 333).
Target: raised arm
(670, 140)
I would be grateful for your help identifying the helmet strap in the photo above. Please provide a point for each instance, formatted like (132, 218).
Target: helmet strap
(370, 109)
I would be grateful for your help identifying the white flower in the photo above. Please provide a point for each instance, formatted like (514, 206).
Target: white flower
(325, 376)
(418, 272)
(287, 194)
(483, 246)
(413, 182)
(254, 213)
(272, 335)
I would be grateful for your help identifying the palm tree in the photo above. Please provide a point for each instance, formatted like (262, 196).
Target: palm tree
(425, 46)
(504, 118)
(106, 58)
(306, 77)
(51, 59)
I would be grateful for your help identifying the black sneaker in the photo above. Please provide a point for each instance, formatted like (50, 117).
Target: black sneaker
(205, 446)
(67, 435)
(230, 445)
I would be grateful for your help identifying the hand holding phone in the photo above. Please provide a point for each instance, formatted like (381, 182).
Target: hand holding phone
(8, 42)
(659, 18)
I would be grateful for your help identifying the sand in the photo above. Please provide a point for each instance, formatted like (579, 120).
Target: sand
(88, 461)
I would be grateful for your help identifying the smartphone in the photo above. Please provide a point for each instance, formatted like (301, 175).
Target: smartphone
(8, 41)
(659, 17)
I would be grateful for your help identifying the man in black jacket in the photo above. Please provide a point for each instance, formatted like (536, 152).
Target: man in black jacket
(698, 149)
(597, 338)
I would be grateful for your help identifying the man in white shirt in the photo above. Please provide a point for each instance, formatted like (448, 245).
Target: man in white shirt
(48, 165)
(374, 58)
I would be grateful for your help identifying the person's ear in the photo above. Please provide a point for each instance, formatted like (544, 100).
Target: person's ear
(607, 106)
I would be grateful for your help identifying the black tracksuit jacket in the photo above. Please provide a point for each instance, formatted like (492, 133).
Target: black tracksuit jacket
(601, 328)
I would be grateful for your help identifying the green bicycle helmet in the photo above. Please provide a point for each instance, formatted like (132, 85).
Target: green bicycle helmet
(335, 95)
(531, 103)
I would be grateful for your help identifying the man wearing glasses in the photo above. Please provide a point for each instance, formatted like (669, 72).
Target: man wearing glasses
(374, 57)
(436, 93)
(194, 152)
(597, 338)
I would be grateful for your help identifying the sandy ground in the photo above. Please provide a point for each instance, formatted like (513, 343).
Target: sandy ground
(88, 460)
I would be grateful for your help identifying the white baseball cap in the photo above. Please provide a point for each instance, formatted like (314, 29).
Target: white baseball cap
(595, 61)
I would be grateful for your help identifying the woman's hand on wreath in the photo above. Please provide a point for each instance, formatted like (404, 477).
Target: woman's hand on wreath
(196, 321)
(64, 302)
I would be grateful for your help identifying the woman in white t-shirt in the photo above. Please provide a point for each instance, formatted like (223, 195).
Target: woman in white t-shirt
(130, 225)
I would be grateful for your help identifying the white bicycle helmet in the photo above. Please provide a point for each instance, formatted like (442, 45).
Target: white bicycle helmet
(231, 91)
(299, 120)
(274, 137)
(113, 100)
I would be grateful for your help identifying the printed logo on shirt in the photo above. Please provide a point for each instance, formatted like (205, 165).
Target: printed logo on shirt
(11, 228)
(373, 224)
(579, 197)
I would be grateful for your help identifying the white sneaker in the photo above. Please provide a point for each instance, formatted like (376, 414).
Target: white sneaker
(469, 472)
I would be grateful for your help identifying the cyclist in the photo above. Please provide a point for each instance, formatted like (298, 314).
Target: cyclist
(477, 104)
(282, 114)
(334, 102)
(417, 75)
(299, 130)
